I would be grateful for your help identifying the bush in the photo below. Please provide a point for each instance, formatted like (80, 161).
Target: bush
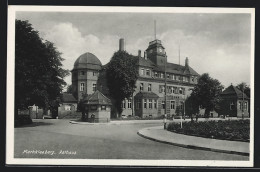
(22, 120)
(237, 130)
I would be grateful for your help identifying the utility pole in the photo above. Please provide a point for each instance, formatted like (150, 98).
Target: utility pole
(154, 29)
(165, 83)
(179, 81)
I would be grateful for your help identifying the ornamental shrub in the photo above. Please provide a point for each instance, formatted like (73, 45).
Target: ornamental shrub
(236, 130)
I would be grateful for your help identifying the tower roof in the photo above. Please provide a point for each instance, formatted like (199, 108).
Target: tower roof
(87, 61)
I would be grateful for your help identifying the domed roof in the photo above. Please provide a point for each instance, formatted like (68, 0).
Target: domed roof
(87, 61)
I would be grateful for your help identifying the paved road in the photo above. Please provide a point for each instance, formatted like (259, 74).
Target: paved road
(100, 142)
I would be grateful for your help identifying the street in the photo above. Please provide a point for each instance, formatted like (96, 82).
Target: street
(53, 138)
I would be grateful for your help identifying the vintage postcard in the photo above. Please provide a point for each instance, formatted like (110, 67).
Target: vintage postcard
(139, 86)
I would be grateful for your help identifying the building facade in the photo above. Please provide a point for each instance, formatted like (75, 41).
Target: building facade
(234, 103)
(158, 80)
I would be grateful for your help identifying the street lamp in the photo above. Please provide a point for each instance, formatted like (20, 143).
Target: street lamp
(243, 102)
(165, 91)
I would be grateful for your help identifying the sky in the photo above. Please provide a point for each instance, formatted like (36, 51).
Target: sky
(215, 43)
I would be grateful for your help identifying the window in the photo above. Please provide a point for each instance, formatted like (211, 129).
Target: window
(145, 103)
(172, 90)
(150, 103)
(180, 91)
(103, 107)
(245, 106)
(161, 88)
(168, 76)
(149, 87)
(240, 105)
(142, 71)
(141, 86)
(148, 72)
(123, 104)
(129, 103)
(181, 106)
(163, 104)
(82, 73)
(94, 87)
(67, 107)
(138, 104)
(155, 104)
(172, 104)
(162, 75)
(173, 77)
(95, 73)
(82, 86)
(192, 79)
(232, 106)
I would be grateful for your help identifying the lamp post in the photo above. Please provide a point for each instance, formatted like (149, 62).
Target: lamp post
(165, 89)
(243, 102)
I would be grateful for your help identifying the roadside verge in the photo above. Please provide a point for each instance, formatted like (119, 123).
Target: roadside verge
(160, 135)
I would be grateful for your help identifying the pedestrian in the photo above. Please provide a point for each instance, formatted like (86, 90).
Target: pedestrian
(191, 117)
(197, 117)
(164, 122)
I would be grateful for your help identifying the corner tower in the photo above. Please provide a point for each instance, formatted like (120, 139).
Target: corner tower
(156, 52)
(85, 75)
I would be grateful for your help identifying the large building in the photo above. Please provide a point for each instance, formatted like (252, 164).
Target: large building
(154, 73)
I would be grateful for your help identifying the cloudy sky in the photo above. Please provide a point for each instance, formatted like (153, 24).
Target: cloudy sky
(218, 44)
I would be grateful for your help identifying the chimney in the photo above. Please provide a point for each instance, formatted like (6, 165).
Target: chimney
(121, 44)
(139, 53)
(186, 62)
(145, 57)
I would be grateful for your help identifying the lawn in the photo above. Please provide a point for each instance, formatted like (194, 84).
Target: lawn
(235, 130)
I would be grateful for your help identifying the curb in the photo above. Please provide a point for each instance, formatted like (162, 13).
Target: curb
(109, 123)
(194, 147)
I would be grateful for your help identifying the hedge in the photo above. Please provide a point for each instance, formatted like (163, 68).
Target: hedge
(235, 130)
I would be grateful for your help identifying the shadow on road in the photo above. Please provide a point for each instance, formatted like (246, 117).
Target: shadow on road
(34, 124)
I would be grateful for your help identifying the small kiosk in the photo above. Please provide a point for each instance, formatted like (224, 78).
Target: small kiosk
(98, 107)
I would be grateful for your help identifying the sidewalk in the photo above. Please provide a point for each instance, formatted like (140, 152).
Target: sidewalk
(123, 122)
(224, 146)
(120, 122)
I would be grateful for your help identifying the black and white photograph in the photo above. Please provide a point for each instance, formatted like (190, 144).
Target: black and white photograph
(140, 86)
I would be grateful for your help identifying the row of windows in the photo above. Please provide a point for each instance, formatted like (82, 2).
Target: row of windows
(147, 72)
(149, 88)
(129, 104)
(152, 103)
(94, 73)
(82, 87)
(172, 105)
(232, 106)
(171, 89)
(148, 103)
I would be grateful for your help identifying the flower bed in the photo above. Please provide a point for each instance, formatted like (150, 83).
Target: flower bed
(235, 130)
